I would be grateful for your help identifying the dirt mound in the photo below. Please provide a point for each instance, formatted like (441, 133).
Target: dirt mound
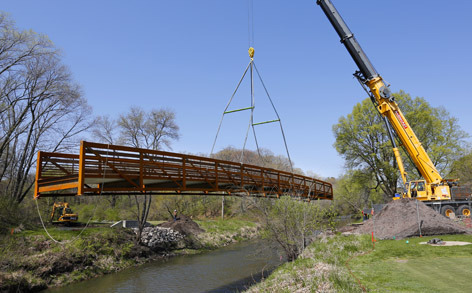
(184, 225)
(399, 219)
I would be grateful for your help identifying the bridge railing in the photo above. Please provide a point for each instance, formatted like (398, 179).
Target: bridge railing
(102, 169)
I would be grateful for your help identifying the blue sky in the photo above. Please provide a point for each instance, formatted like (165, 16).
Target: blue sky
(188, 56)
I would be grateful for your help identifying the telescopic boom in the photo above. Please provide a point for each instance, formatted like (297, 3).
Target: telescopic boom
(384, 101)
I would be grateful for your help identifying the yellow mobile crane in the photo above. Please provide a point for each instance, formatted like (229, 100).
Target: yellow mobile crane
(432, 189)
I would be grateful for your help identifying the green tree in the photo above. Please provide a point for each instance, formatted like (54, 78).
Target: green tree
(462, 169)
(362, 140)
(355, 191)
(438, 132)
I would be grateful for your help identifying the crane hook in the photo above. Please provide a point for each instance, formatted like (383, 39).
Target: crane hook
(251, 52)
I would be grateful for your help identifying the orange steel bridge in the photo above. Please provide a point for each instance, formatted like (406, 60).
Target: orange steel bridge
(102, 169)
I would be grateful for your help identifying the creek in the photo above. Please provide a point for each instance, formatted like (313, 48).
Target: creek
(228, 269)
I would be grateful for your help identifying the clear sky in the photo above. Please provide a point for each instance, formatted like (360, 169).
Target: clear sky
(189, 55)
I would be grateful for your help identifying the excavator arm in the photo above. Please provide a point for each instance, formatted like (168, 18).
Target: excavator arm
(65, 214)
(383, 100)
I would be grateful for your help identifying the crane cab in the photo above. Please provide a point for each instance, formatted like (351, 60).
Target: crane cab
(421, 190)
(417, 189)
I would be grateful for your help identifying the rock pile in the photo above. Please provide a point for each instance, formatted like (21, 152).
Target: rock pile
(403, 218)
(159, 238)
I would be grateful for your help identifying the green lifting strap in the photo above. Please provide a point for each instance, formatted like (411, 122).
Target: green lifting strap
(265, 122)
(237, 110)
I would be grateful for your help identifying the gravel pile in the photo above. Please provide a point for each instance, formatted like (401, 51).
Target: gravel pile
(400, 219)
(159, 238)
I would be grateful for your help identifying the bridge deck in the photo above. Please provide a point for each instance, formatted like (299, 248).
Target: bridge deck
(102, 169)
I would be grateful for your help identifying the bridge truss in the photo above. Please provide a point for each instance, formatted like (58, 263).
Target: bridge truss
(102, 169)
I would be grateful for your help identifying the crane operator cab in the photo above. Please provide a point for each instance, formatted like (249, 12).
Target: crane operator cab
(422, 191)
(417, 189)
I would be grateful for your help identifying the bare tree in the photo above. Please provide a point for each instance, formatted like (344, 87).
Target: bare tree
(152, 130)
(40, 106)
(131, 127)
(104, 130)
(263, 157)
(292, 224)
(161, 129)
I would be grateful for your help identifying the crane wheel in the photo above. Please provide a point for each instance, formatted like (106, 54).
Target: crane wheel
(447, 211)
(463, 211)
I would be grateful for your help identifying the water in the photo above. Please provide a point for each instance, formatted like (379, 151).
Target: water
(229, 269)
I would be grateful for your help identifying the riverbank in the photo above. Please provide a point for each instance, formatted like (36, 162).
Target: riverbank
(394, 266)
(320, 268)
(31, 261)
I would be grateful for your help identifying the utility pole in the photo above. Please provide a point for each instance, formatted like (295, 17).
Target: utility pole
(223, 208)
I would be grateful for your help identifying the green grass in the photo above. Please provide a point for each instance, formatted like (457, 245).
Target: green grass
(222, 226)
(68, 233)
(397, 266)
(61, 234)
(156, 222)
(393, 266)
(320, 268)
(223, 232)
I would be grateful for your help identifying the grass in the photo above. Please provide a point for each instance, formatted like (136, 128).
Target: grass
(227, 226)
(220, 233)
(320, 268)
(156, 222)
(397, 266)
(61, 233)
(223, 226)
(393, 266)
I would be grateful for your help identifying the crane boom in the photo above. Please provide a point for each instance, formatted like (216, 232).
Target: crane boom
(383, 99)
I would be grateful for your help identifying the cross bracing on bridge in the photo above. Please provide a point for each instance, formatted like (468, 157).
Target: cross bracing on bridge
(104, 169)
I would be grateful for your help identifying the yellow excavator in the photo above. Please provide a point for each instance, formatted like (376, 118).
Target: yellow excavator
(441, 194)
(62, 213)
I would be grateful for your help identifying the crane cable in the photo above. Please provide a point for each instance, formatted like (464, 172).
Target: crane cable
(251, 67)
(250, 23)
(278, 117)
(253, 105)
(93, 213)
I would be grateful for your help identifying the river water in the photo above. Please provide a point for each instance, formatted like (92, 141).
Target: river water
(229, 269)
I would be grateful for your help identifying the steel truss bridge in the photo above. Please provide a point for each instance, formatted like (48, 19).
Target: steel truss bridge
(103, 169)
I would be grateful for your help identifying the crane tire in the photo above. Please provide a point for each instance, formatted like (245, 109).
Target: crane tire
(447, 210)
(463, 210)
